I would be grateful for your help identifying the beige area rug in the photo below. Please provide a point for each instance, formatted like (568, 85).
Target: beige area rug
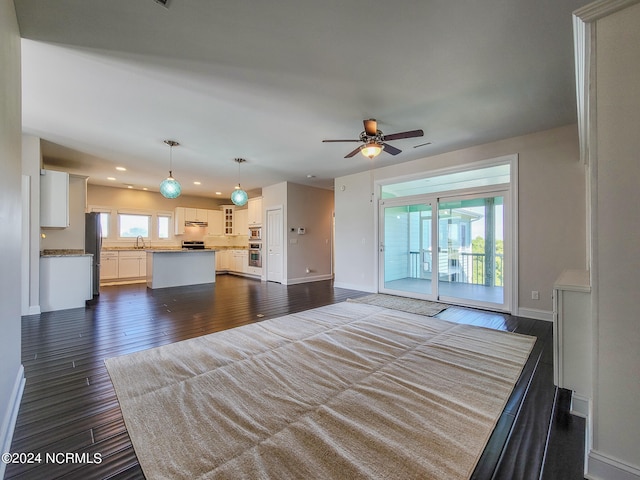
(412, 305)
(343, 391)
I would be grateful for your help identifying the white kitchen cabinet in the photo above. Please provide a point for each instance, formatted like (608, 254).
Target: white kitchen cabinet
(195, 215)
(228, 214)
(254, 212)
(241, 226)
(65, 281)
(132, 264)
(178, 220)
(240, 261)
(54, 199)
(223, 260)
(108, 265)
(214, 219)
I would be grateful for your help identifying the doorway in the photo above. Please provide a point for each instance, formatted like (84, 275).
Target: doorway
(275, 247)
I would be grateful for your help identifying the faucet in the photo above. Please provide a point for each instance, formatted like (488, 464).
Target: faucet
(138, 240)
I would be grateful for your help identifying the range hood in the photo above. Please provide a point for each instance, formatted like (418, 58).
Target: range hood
(195, 223)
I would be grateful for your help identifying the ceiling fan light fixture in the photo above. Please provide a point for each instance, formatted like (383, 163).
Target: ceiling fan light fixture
(371, 150)
(170, 187)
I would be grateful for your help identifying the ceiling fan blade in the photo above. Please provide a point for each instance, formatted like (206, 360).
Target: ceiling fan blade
(390, 149)
(370, 126)
(422, 144)
(327, 141)
(351, 154)
(409, 134)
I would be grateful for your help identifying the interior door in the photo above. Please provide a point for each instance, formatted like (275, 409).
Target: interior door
(275, 245)
(406, 249)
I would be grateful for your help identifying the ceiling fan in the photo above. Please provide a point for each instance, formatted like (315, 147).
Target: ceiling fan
(374, 141)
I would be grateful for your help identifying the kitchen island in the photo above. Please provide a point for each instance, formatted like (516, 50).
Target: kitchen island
(175, 268)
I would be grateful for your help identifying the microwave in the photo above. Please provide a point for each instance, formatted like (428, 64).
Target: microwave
(255, 233)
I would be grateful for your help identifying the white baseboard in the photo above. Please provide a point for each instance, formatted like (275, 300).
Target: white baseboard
(579, 405)
(603, 467)
(307, 279)
(352, 286)
(10, 416)
(34, 310)
(535, 314)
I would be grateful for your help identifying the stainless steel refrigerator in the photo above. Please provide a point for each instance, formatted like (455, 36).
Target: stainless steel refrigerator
(93, 244)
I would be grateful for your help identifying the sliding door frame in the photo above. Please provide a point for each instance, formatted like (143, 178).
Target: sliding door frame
(511, 209)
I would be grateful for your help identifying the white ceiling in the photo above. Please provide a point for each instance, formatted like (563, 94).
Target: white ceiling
(105, 82)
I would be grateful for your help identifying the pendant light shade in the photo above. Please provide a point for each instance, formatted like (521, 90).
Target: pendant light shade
(239, 197)
(170, 187)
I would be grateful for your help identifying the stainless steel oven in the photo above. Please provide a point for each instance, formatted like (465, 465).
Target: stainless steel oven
(255, 254)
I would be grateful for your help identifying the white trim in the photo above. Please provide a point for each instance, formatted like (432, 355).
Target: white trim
(474, 165)
(10, 416)
(580, 406)
(536, 314)
(601, 467)
(602, 8)
(314, 278)
(358, 287)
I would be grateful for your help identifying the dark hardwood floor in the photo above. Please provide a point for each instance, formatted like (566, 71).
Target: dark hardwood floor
(69, 405)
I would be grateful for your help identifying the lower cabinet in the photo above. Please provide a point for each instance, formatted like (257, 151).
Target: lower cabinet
(235, 261)
(108, 265)
(132, 264)
(123, 265)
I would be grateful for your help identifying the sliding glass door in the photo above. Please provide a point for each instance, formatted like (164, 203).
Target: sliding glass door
(407, 249)
(471, 261)
(467, 265)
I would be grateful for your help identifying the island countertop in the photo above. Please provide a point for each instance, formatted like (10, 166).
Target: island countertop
(174, 268)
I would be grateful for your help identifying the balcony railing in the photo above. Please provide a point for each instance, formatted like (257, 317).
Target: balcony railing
(469, 268)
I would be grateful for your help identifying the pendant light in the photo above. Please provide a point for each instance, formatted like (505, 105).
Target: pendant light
(170, 187)
(239, 197)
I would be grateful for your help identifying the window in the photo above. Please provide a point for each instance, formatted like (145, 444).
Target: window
(132, 226)
(163, 226)
(104, 224)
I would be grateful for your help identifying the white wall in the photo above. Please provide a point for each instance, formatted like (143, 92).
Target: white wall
(11, 376)
(616, 242)
(308, 207)
(311, 208)
(552, 225)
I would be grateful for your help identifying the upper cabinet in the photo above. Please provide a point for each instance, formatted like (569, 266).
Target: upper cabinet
(240, 226)
(228, 214)
(54, 199)
(255, 212)
(178, 220)
(214, 219)
(197, 215)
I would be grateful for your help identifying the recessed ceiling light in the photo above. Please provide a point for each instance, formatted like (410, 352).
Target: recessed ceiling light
(121, 169)
(311, 176)
(111, 178)
(218, 193)
(145, 188)
(197, 183)
(129, 186)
